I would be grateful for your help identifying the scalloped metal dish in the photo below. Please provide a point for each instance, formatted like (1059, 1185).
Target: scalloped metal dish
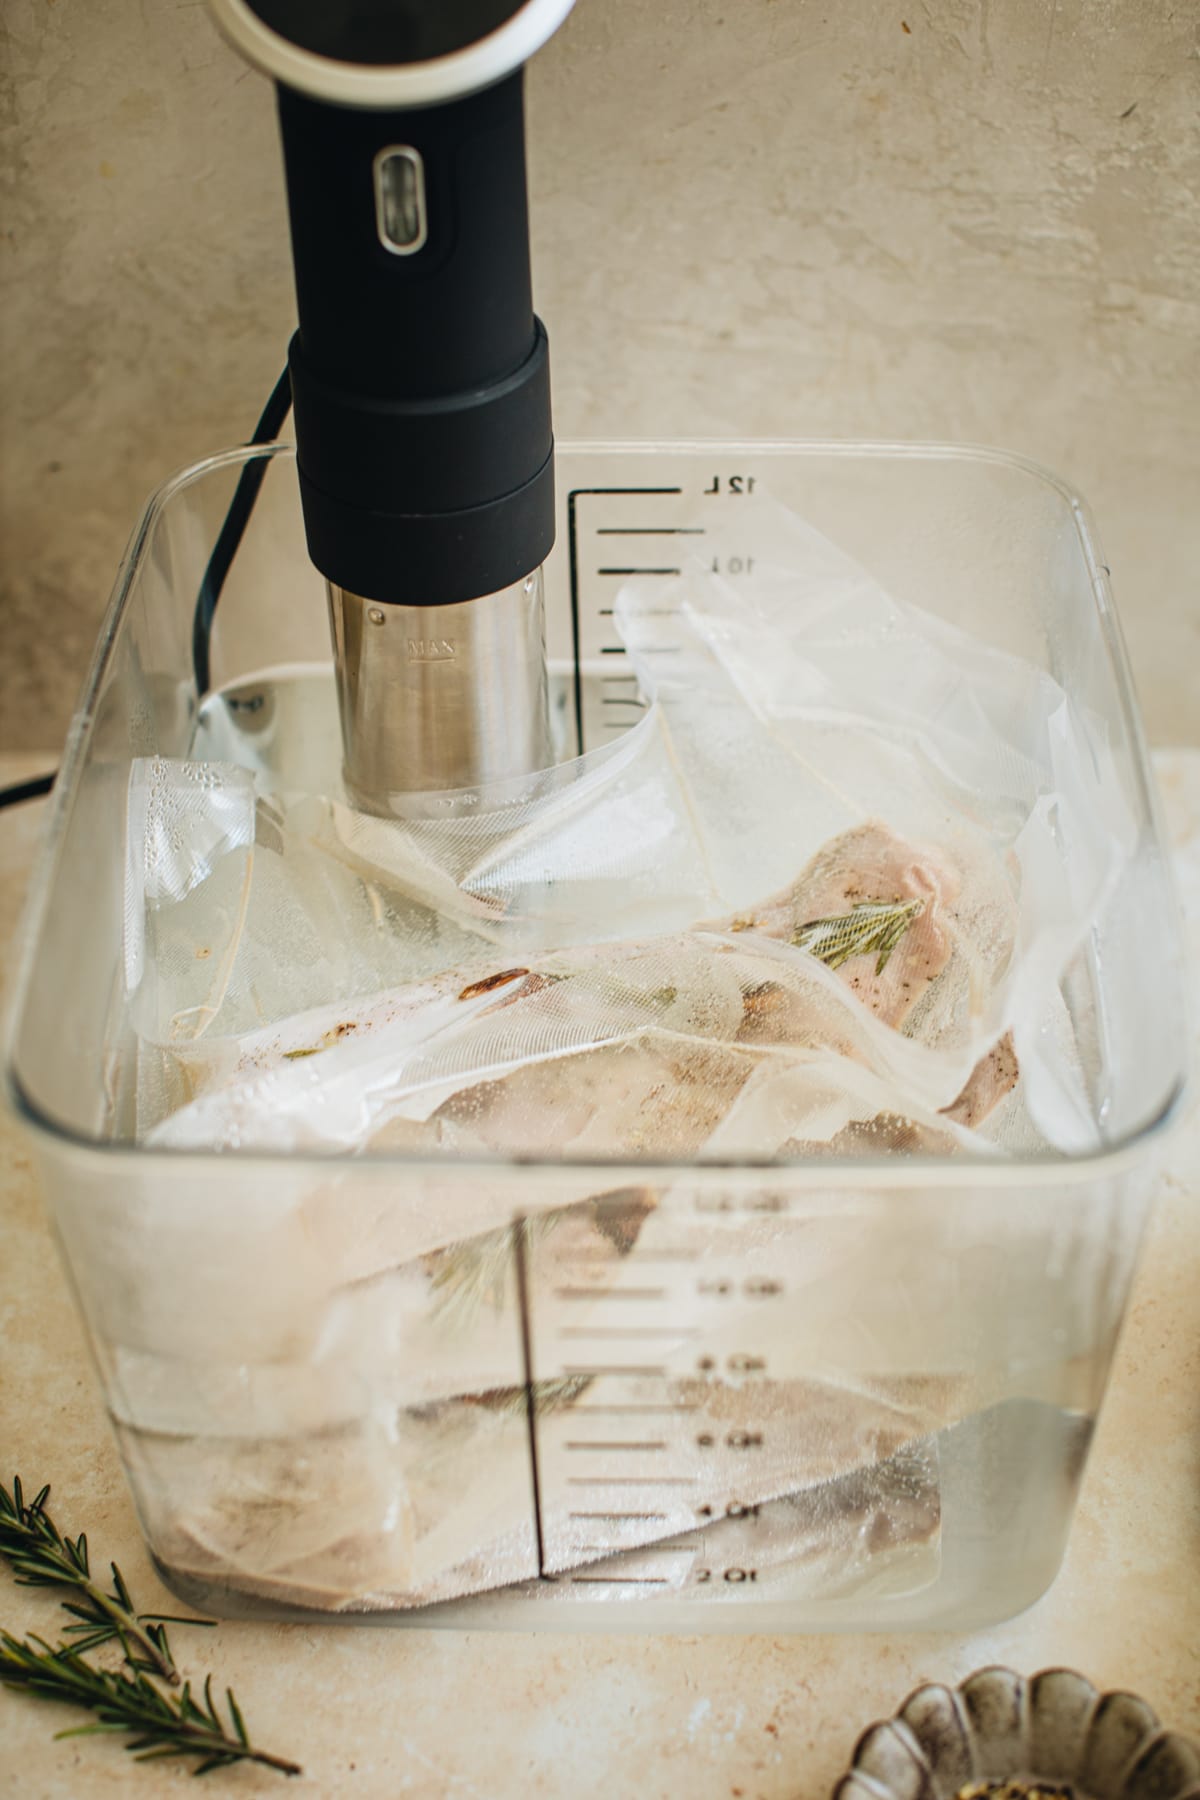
(1054, 1728)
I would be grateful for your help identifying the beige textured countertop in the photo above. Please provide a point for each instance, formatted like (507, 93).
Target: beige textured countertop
(377, 1713)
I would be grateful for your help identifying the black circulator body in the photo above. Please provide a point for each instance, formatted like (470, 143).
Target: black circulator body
(420, 377)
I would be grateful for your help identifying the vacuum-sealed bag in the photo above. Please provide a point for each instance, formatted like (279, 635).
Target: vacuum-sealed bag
(822, 895)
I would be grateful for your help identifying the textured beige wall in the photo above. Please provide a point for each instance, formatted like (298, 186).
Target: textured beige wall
(964, 219)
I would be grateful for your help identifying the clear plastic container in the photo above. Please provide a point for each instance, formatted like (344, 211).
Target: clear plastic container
(834, 1394)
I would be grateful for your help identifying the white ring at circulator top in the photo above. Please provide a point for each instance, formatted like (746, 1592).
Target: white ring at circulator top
(464, 71)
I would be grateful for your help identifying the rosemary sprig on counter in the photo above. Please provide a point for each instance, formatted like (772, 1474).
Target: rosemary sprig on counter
(42, 1557)
(161, 1723)
(871, 925)
(125, 1700)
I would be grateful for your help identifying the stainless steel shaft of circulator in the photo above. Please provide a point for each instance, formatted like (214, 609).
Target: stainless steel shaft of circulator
(440, 697)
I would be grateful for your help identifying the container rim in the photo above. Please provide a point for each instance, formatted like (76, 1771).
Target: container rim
(1061, 1168)
(970, 1169)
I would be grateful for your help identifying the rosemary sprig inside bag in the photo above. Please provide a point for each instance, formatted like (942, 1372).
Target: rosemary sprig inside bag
(871, 925)
(162, 1723)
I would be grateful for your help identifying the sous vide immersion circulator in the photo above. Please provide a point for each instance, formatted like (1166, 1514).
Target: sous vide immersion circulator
(420, 374)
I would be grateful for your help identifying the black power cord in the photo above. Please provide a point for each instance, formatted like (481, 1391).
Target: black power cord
(27, 790)
(232, 531)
